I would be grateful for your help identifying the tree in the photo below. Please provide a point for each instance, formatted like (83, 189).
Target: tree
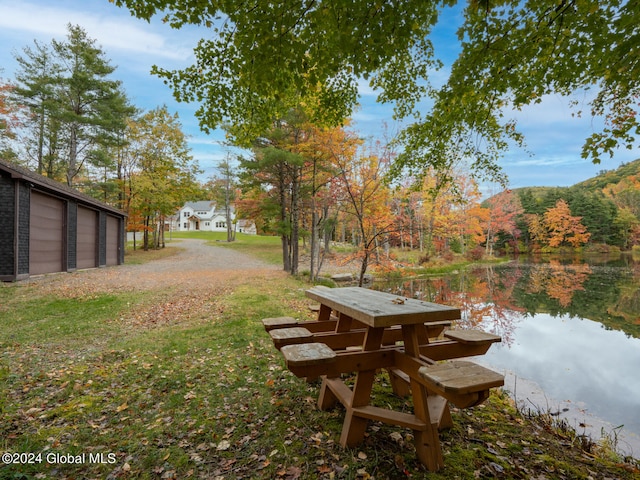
(438, 196)
(276, 166)
(260, 51)
(76, 108)
(36, 90)
(564, 228)
(9, 112)
(513, 53)
(366, 200)
(86, 97)
(537, 231)
(516, 52)
(504, 208)
(223, 188)
(323, 148)
(164, 175)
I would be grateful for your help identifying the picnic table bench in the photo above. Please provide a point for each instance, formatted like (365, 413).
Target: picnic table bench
(362, 331)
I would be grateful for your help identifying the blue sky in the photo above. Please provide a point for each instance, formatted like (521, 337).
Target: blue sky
(553, 136)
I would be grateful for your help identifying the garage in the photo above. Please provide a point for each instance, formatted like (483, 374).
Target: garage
(87, 238)
(46, 241)
(48, 227)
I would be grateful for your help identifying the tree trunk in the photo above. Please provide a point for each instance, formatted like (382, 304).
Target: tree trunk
(295, 221)
(313, 242)
(145, 234)
(363, 266)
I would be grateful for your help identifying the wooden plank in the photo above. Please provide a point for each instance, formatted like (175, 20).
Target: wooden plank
(439, 411)
(380, 309)
(316, 326)
(472, 336)
(306, 354)
(290, 336)
(448, 349)
(340, 390)
(392, 417)
(290, 333)
(461, 377)
(278, 322)
(345, 362)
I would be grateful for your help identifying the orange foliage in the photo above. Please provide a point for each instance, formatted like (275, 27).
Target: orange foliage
(559, 281)
(563, 228)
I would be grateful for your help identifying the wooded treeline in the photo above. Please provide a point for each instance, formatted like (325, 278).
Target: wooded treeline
(308, 176)
(308, 184)
(341, 192)
(65, 117)
(304, 182)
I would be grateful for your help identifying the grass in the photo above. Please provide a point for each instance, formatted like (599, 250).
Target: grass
(209, 397)
(266, 248)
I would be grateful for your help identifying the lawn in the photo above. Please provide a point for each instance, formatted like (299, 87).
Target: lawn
(92, 387)
(266, 248)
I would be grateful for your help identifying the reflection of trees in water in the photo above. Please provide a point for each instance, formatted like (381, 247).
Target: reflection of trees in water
(494, 298)
(483, 296)
(558, 281)
(487, 302)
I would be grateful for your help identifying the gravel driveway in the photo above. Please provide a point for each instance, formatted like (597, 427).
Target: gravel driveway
(195, 266)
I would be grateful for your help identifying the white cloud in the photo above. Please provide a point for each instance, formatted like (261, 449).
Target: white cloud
(113, 30)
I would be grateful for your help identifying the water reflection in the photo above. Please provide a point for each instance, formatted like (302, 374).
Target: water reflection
(571, 327)
(580, 367)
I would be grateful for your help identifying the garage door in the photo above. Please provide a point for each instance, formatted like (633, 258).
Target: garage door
(87, 241)
(113, 235)
(46, 239)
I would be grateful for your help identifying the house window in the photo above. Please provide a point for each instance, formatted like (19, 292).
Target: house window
(185, 214)
(221, 225)
(184, 225)
(206, 224)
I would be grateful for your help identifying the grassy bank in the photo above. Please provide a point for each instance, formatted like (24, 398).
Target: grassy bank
(92, 387)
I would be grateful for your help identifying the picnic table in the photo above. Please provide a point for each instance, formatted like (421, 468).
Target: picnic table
(362, 331)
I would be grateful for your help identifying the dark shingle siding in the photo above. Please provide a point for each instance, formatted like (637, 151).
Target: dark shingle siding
(7, 225)
(23, 228)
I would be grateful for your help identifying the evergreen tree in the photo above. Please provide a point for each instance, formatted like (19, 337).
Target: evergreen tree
(77, 109)
(36, 89)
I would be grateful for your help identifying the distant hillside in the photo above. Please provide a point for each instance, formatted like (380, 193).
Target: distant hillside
(607, 177)
(594, 184)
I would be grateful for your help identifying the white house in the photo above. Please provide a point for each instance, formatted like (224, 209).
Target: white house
(194, 216)
(246, 226)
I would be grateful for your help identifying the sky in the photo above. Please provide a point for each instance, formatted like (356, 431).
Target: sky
(554, 138)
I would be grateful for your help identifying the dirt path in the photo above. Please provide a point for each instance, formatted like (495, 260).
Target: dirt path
(195, 267)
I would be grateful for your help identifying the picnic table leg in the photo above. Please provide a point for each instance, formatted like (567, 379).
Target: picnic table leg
(427, 442)
(354, 427)
(344, 323)
(326, 399)
(399, 385)
(324, 313)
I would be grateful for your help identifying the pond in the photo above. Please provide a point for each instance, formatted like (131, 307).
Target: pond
(570, 333)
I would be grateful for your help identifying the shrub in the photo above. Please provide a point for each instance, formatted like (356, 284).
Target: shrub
(424, 259)
(475, 254)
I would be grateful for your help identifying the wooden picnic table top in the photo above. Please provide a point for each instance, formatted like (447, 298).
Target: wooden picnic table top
(381, 309)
